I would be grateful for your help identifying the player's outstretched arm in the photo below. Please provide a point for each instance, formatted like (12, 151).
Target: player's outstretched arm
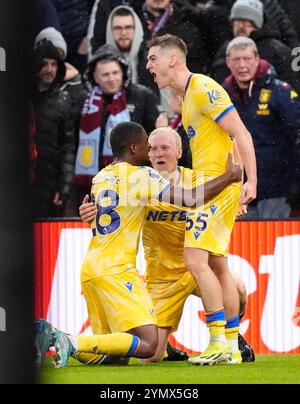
(203, 193)
(87, 210)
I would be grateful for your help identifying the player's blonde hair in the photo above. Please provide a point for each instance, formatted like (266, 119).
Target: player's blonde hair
(170, 131)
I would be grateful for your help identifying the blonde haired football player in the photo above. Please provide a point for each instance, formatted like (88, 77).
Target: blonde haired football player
(119, 306)
(167, 279)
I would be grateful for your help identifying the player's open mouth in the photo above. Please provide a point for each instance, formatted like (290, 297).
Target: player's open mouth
(161, 162)
(154, 76)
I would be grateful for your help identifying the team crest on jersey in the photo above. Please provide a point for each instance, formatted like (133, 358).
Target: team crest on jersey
(213, 209)
(293, 94)
(265, 95)
(129, 286)
(214, 95)
(191, 132)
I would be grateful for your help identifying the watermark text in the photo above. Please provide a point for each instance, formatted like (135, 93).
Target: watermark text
(2, 319)
(296, 60)
(2, 60)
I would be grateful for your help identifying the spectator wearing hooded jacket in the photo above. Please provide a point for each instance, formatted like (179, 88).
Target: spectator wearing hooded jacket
(124, 31)
(99, 17)
(270, 109)
(112, 99)
(159, 17)
(247, 17)
(53, 133)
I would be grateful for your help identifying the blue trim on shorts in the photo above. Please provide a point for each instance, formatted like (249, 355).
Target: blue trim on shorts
(224, 113)
(94, 232)
(134, 345)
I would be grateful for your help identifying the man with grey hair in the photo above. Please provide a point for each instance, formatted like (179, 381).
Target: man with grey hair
(248, 19)
(270, 109)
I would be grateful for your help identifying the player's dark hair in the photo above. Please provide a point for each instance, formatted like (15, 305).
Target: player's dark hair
(122, 12)
(168, 41)
(124, 135)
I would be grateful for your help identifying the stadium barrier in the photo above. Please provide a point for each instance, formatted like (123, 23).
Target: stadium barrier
(266, 255)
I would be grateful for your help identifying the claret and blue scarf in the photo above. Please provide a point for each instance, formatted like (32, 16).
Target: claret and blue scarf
(94, 151)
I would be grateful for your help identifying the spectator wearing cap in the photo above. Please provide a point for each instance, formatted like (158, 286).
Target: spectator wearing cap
(112, 99)
(270, 109)
(54, 138)
(247, 19)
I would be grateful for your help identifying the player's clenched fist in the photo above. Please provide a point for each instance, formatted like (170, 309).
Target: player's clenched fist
(87, 210)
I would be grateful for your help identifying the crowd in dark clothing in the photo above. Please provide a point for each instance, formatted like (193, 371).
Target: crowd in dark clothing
(86, 27)
(54, 139)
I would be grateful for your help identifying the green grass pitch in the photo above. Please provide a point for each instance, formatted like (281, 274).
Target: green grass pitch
(269, 369)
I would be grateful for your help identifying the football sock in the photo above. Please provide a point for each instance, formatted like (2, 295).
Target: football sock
(110, 344)
(232, 333)
(216, 324)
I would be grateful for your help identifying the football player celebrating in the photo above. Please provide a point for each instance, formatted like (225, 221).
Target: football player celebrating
(120, 309)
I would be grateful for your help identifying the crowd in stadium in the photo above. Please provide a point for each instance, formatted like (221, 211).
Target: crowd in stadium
(89, 69)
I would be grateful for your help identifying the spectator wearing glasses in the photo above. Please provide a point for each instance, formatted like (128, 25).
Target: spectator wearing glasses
(125, 33)
(249, 19)
(270, 109)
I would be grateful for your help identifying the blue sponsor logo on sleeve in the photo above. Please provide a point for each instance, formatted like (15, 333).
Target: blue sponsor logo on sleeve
(214, 95)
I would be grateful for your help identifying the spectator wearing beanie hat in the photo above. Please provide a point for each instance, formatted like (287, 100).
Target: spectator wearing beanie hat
(54, 36)
(250, 10)
(72, 84)
(276, 12)
(53, 133)
(248, 19)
